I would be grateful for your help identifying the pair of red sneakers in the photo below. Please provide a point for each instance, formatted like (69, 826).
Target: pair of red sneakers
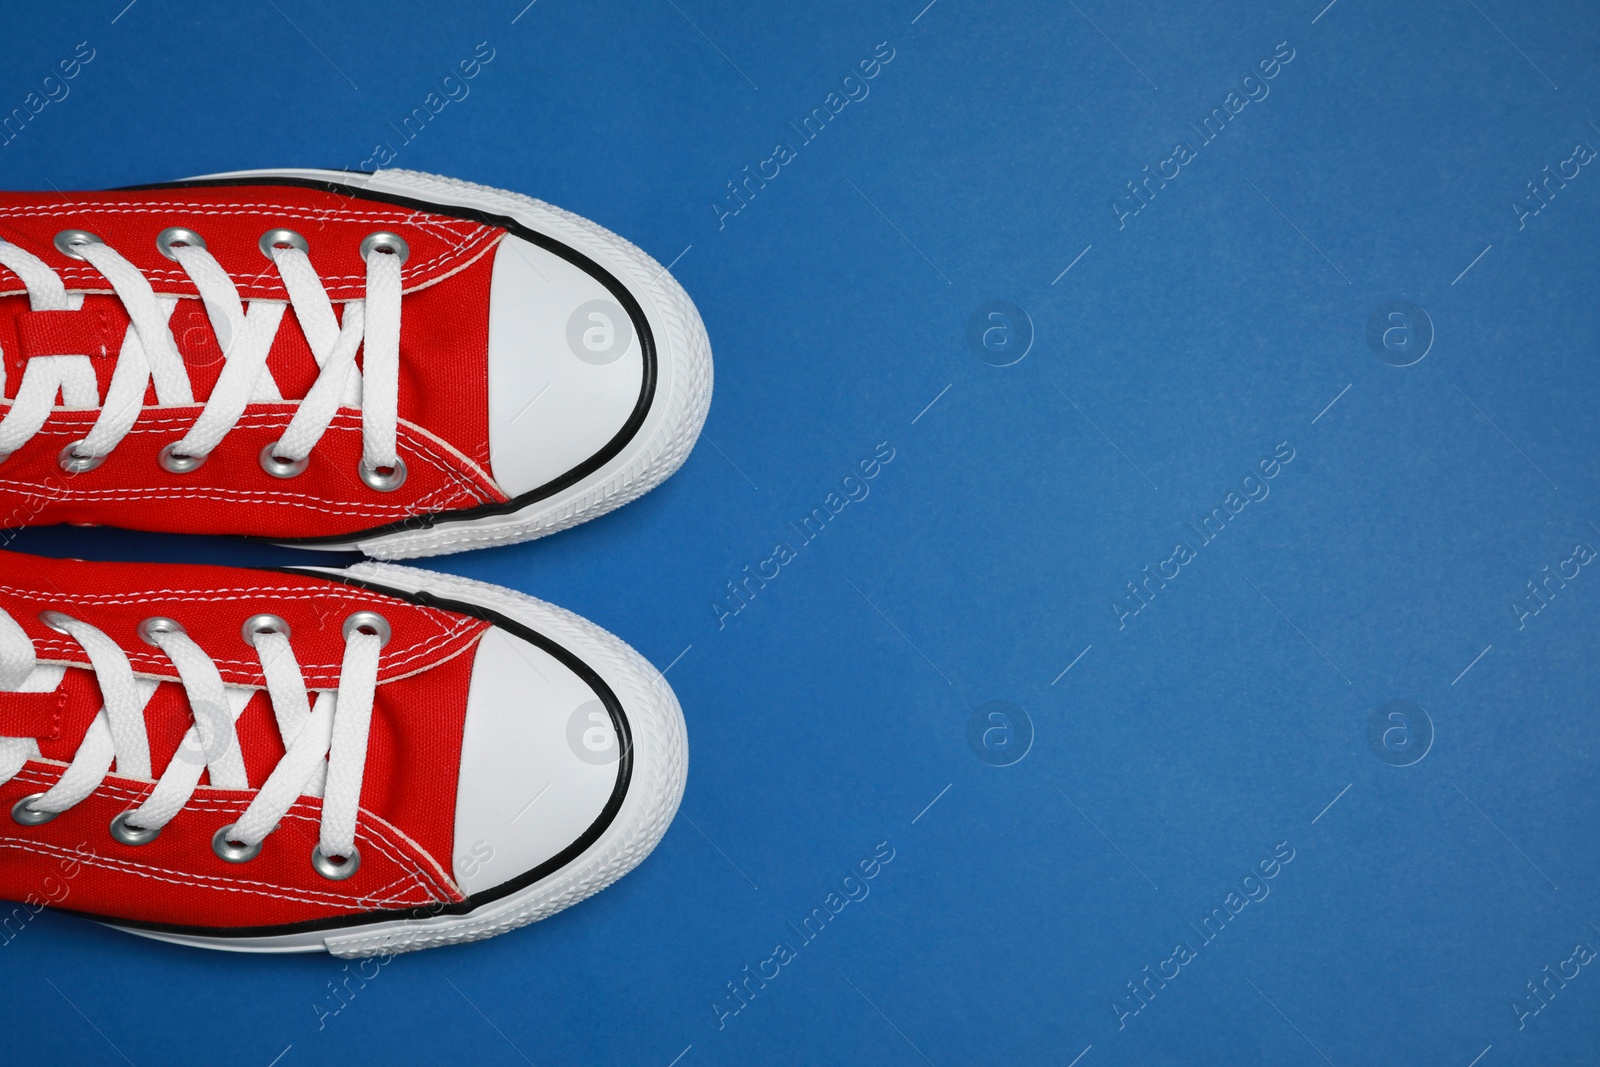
(367, 760)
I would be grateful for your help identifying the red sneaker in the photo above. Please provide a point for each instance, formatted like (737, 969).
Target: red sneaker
(394, 362)
(364, 761)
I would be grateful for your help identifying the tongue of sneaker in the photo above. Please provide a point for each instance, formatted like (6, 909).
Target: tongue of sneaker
(444, 336)
(291, 363)
(419, 708)
(167, 717)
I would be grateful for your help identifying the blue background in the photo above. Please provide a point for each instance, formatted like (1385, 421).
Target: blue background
(1229, 717)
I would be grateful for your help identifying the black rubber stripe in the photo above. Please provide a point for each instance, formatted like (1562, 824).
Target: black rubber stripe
(607, 452)
(607, 816)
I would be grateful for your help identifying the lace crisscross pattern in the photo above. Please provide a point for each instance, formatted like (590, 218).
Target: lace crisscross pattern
(325, 739)
(149, 355)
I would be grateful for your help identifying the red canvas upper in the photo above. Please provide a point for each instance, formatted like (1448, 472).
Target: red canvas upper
(406, 823)
(443, 400)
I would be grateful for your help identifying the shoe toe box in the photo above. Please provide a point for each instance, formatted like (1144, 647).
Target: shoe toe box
(541, 760)
(566, 365)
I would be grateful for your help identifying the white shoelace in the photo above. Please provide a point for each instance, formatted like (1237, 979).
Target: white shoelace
(149, 351)
(336, 727)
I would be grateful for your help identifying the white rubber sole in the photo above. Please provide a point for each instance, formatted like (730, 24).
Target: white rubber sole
(660, 769)
(683, 374)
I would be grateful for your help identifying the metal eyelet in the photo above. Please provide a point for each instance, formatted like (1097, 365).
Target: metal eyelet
(177, 236)
(387, 243)
(56, 620)
(231, 852)
(377, 479)
(335, 870)
(367, 622)
(158, 624)
(24, 812)
(69, 460)
(257, 625)
(132, 835)
(281, 238)
(176, 463)
(70, 242)
(279, 467)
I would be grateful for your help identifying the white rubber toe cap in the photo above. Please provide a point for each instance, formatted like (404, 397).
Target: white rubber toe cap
(566, 366)
(539, 761)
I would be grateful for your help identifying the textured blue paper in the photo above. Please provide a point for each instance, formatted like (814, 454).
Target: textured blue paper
(1240, 716)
